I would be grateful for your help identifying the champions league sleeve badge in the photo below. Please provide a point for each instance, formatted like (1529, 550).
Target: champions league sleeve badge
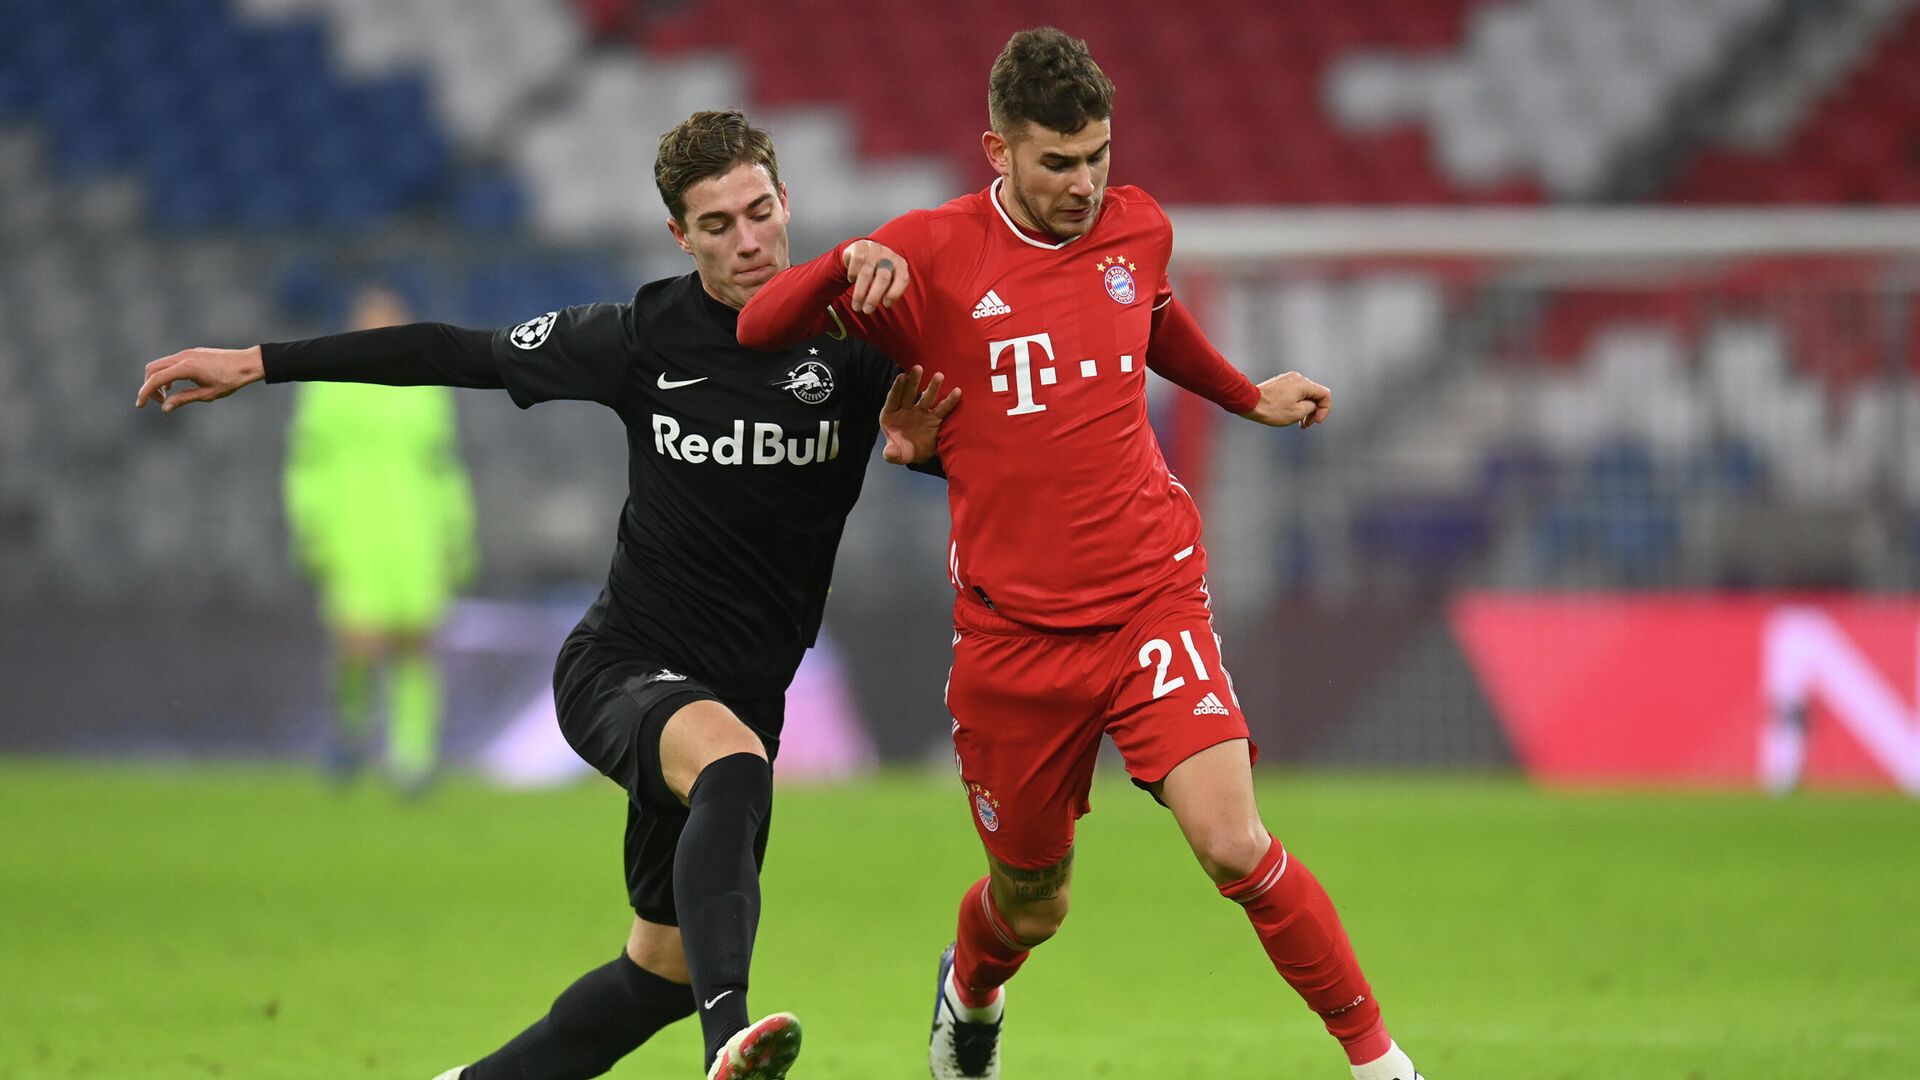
(533, 333)
(1117, 274)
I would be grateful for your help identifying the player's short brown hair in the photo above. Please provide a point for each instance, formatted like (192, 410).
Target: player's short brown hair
(1048, 77)
(706, 145)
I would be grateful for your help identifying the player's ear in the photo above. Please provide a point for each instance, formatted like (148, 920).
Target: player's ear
(999, 151)
(786, 213)
(679, 235)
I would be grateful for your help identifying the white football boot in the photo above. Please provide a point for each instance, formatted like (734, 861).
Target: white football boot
(962, 1047)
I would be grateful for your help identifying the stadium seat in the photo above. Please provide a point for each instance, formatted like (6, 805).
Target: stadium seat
(1549, 92)
(1245, 65)
(1854, 146)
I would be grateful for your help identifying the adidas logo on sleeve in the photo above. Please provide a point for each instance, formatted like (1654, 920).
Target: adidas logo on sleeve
(1210, 706)
(991, 305)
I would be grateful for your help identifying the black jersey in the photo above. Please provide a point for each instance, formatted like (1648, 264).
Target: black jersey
(742, 466)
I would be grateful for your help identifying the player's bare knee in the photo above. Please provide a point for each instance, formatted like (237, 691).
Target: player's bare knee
(699, 734)
(731, 739)
(657, 948)
(1229, 854)
(1035, 922)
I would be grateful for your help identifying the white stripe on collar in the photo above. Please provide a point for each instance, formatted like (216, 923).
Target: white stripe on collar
(993, 196)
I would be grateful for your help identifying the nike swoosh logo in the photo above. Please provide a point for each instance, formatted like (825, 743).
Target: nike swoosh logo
(665, 383)
(710, 1003)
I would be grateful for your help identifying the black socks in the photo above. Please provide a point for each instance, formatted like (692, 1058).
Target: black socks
(611, 1010)
(601, 1018)
(716, 889)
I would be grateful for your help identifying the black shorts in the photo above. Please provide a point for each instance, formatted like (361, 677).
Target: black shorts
(613, 704)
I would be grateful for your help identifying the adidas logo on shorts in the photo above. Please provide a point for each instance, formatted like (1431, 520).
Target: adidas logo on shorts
(1210, 706)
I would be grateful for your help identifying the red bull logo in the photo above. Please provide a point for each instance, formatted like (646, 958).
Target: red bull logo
(762, 444)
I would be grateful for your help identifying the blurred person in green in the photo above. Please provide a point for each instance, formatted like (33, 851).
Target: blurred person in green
(381, 515)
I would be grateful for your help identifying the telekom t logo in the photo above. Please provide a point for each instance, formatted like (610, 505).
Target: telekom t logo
(1023, 371)
(1807, 655)
(1024, 374)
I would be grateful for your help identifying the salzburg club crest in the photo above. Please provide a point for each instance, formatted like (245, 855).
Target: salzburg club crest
(811, 382)
(533, 333)
(988, 807)
(1117, 274)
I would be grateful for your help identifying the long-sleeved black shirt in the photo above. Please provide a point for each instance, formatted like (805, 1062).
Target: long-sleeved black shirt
(742, 466)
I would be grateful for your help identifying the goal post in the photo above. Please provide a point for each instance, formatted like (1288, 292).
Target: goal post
(1635, 398)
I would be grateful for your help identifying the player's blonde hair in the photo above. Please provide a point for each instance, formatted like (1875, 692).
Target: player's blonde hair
(1047, 76)
(705, 145)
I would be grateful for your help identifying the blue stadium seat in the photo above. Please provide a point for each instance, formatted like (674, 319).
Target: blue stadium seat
(1639, 540)
(229, 123)
(1518, 471)
(507, 292)
(489, 202)
(307, 290)
(1560, 533)
(1730, 467)
(1428, 532)
(1622, 470)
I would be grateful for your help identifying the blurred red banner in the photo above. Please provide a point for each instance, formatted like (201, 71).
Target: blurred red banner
(1689, 689)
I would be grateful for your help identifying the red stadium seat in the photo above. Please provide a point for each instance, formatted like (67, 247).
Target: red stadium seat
(1193, 93)
(1855, 147)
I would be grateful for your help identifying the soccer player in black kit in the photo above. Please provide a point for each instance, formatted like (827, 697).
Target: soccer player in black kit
(742, 468)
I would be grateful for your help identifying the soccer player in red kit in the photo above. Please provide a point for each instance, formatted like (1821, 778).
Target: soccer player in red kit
(1082, 601)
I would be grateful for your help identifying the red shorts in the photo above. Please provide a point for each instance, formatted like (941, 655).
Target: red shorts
(1029, 707)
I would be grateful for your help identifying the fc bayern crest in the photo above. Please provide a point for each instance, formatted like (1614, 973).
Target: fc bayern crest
(533, 333)
(987, 807)
(1117, 275)
(811, 381)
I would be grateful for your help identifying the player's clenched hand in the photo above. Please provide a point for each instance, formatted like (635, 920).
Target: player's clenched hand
(214, 373)
(910, 421)
(1291, 399)
(878, 274)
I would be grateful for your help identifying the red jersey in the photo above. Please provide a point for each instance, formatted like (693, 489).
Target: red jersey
(1065, 515)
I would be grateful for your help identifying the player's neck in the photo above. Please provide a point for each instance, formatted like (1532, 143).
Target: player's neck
(719, 306)
(1017, 215)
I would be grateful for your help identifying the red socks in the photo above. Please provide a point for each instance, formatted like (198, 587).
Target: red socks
(1291, 913)
(1301, 931)
(986, 954)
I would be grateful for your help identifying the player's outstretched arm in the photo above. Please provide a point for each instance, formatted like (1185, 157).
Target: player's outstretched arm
(416, 354)
(911, 421)
(792, 306)
(214, 373)
(1291, 399)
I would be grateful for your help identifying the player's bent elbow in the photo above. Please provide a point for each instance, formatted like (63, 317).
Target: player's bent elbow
(758, 332)
(751, 335)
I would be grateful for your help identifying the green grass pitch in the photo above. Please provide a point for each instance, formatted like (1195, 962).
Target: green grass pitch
(249, 922)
